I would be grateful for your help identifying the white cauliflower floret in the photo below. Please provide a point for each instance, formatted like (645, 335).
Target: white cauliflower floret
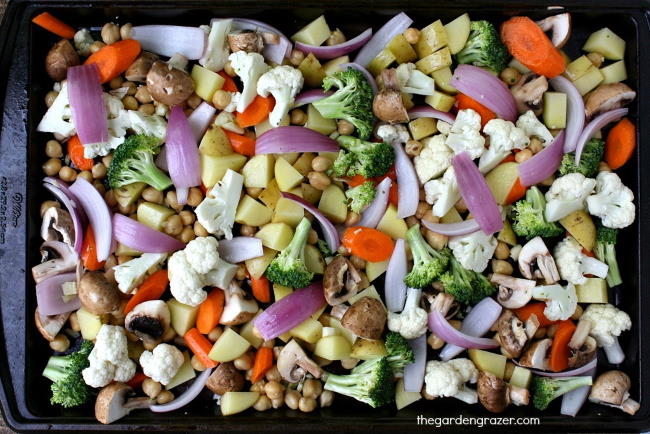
(504, 138)
(248, 67)
(413, 321)
(607, 324)
(202, 254)
(412, 80)
(434, 158)
(284, 83)
(529, 123)
(465, 134)
(185, 284)
(234, 102)
(151, 125)
(613, 201)
(216, 53)
(561, 303)
(82, 42)
(447, 379)
(58, 118)
(162, 363)
(109, 359)
(131, 274)
(474, 250)
(216, 212)
(442, 193)
(573, 264)
(393, 133)
(567, 194)
(443, 127)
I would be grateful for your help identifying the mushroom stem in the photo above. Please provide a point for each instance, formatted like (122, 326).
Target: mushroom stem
(138, 403)
(580, 334)
(532, 325)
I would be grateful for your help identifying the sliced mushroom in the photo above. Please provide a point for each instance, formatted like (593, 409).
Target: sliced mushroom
(169, 85)
(140, 67)
(293, 363)
(149, 320)
(239, 308)
(532, 325)
(495, 394)
(608, 97)
(513, 292)
(536, 262)
(528, 92)
(245, 40)
(340, 281)
(339, 310)
(50, 325)
(366, 318)
(584, 354)
(535, 355)
(97, 294)
(512, 335)
(389, 107)
(60, 57)
(611, 389)
(57, 226)
(580, 334)
(560, 26)
(64, 259)
(225, 378)
(112, 403)
(441, 302)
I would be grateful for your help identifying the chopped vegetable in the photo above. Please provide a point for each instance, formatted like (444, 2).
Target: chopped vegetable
(263, 362)
(152, 288)
(261, 289)
(112, 60)
(484, 48)
(368, 159)
(465, 285)
(372, 383)
(89, 251)
(528, 217)
(210, 311)
(68, 387)
(288, 268)
(606, 252)
(559, 356)
(133, 162)
(200, 347)
(368, 244)
(54, 25)
(76, 153)
(465, 102)
(546, 389)
(428, 263)
(592, 154)
(620, 145)
(361, 196)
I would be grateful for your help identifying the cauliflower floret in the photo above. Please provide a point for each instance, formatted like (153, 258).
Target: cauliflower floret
(474, 250)
(443, 127)
(109, 360)
(612, 201)
(413, 321)
(130, 275)
(216, 52)
(561, 302)
(393, 133)
(447, 379)
(248, 67)
(607, 324)
(466, 369)
(162, 363)
(504, 137)
(529, 123)
(217, 211)
(412, 80)
(151, 125)
(82, 42)
(58, 118)
(573, 264)
(434, 158)
(234, 102)
(221, 275)
(567, 194)
(284, 83)
(185, 284)
(465, 134)
(202, 254)
(442, 193)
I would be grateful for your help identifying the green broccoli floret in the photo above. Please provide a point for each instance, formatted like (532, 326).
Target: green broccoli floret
(368, 159)
(428, 263)
(484, 47)
(133, 162)
(399, 351)
(324, 248)
(372, 383)
(592, 155)
(528, 217)
(606, 252)
(546, 389)
(361, 196)
(352, 100)
(288, 268)
(467, 286)
(68, 386)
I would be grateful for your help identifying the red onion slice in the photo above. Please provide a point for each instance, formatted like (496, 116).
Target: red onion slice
(429, 112)
(98, 214)
(188, 396)
(575, 111)
(201, 118)
(440, 326)
(240, 249)
(87, 104)
(453, 229)
(369, 78)
(329, 231)
(332, 51)
(578, 371)
(543, 164)
(182, 154)
(310, 96)
(372, 215)
(169, 40)
(394, 286)
(68, 199)
(396, 25)
(49, 295)
(142, 238)
(281, 140)
(407, 183)
(596, 124)
(414, 372)
(573, 400)
(485, 88)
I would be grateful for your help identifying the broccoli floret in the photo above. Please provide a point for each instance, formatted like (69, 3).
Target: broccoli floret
(528, 217)
(324, 248)
(361, 196)
(606, 252)
(399, 351)
(288, 268)
(352, 100)
(428, 263)
(368, 159)
(68, 386)
(484, 47)
(467, 286)
(591, 156)
(372, 383)
(133, 162)
(546, 389)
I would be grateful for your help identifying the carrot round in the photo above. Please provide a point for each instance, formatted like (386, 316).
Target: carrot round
(152, 288)
(465, 102)
(200, 347)
(229, 84)
(620, 144)
(89, 251)
(54, 25)
(516, 192)
(263, 362)
(523, 313)
(256, 112)
(529, 45)
(559, 357)
(368, 244)
(114, 59)
(76, 153)
(261, 289)
(241, 144)
(210, 311)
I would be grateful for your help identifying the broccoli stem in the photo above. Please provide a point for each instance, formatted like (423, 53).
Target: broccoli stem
(158, 179)
(607, 253)
(296, 248)
(56, 368)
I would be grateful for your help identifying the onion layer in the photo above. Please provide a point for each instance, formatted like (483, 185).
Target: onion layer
(332, 51)
(440, 326)
(142, 238)
(281, 140)
(240, 249)
(87, 104)
(453, 229)
(407, 183)
(182, 154)
(188, 396)
(62, 193)
(394, 286)
(424, 111)
(575, 111)
(543, 164)
(414, 372)
(485, 88)
(169, 40)
(372, 215)
(98, 214)
(595, 125)
(396, 25)
(49, 295)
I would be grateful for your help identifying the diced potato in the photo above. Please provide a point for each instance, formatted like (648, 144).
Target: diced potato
(289, 157)
(257, 266)
(375, 269)
(286, 176)
(334, 65)
(265, 125)
(89, 323)
(370, 291)
(215, 142)
(594, 290)
(333, 348)
(129, 193)
(310, 194)
(316, 122)
(404, 399)
(314, 33)
(384, 59)
(270, 195)
(183, 316)
(312, 71)
(309, 330)
(581, 227)
(333, 204)
(246, 331)
(314, 260)
(442, 77)
(440, 101)
(401, 49)
(236, 402)
(432, 38)
(578, 68)
(487, 361)
(121, 249)
(521, 377)
(153, 215)
(555, 107)
(214, 168)
(228, 347)
(422, 127)
(329, 321)
(251, 212)
(452, 216)
(514, 63)
(184, 374)
(206, 82)
(507, 235)
(280, 291)
(589, 80)
(607, 43)
(438, 60)
(392, 225)
(258, 171)
(365, 349)
(457, 33)
(501, 179)
(275, 236)
(614, 73)
(287, 211)
(303, 163)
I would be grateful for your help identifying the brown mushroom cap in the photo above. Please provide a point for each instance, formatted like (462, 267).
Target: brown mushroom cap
(50, 325)
(60, 57)
(140, 67)
(389, 107)
(560, 26)
(528, 92)
(245, 40)
(97, 294)
(340, 281)
(511, 332)
(366, 318)
(111, 403)
(293, 363)
(608, 97)
(169, 85)
(492, 392)
(225, 378)
(535, 355)
(610, 388)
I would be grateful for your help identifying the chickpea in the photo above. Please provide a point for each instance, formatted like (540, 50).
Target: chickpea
(53, 149)
(125, 31)
(319, 180)
(351, 219)
(214, 334)
(326, 398)
(604, 167)
(412, 221)
(436, 240)
(109, 197)
(455, 323)
(278, 402)
(196, 364)
(435, 342)
(143, 95)
(60, 343)
(502, 251)
(116, 83)
(296, 57)
(164, 397)
(221, 99)
(358, 263)
(228, 69)
(130, 103)
(147, 109)
(49, 204)
(133, 88)
(263, 403)
(99, 171)
(343, 251)
(313, 237)
(413, 148)
(173, 225)
(107, 160)
(321, 164)
(199, 230)
(274, 389)
(307, 405)
(412, 35)
(312, 388)
(247, 230)
(577, 313)
(52, 166)
(151, 388)
(298, 117)
(110, 33)
(254, 192)
(96, 46)
(344, 127)
(85, 174)
(524, 155)
(99, 186)
(335, 38)
(273, 374)
(535, 145)
(194, 101)
(187, 234)
(596, 59)
(502, 267)
(150, 194)
(195, 197)
(172, 201)
(461, 206)
(510, 76)
(428, 216)
(422, 208)
(243, 362)
(67, 174)
(258, 387)
(187, 217)
(50, 97)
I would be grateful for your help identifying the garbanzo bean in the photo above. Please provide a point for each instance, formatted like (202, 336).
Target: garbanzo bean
(195, 197)
(296, 57)
(53, 149)
(336, 37)
(351, 219)
(147, 109)
(60, 343)
(67, 174)
(52, 166)
(263, 403)
(173, 225)
(292, 399)
(110, 33)
(524, 155)
(307, 405)
(99, 171)
(510, 76)
(151, 388)
(85, 174)
(196, 364)
(187, 234)
(214, 334)
(321, 164)
(130, 103)
(164, 397)
(413, 148)
(298, 117)
(221, 99)
(150, 194)
(143, 95)
(319, 180)
(502, 251)
(344, 127)
(187, 217)
(199, 230)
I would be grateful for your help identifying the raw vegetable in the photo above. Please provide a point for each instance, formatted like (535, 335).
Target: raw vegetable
(188, 396)
(142, 238)
(368, 159)
(87, 105)
(228, 346)
(486, 89)
(620, 144)
(484, 48)
(393, 27)
(546, 389)
(537, 309)
(263, 362)
(133, 162)
(441, 327)
(112, 60)
(76, 153)
(261, 289)
(333, 51)
(293, 139)
(606, 252)
(99, 216)
(428, 263)
(256, 112)
(152, 288)
(361, 196)
(528, 217)
(182, 154)
(167, 40)
(54, 25)
(399, 355)
(592, 154)
(372, 384)
(466, 286)
(89, 251)
(288, 268)
(544, 163)
(329, 231)
(210, 311)
(559, 356)
(236, 402)
(200, 347)
(368, 244)
(465, 102)
(607, 43)
(595, 125)
(68, 387)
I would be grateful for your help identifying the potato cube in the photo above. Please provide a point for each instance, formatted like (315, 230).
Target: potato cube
(309, 330)
(215, 142)
(594, 290)
(333, 348)
(314, 33)
(578, 68)
(401, 49)
(333, 204)
(422, 127)
(312, 71)
(458, 33)
(286, 176)
(383, 60)
(440, 101)
(375, 269)
(392, 225)
(310, 194)
(214, 168)
(614, 73)
(303, 163)
(316, 122)
(206, 82)
(607, 43)
(589, 80)
(228, 347)
(183, 316)
(287, 211)
(333, 66)
(258, 171)
(275, 236)
(555, 109)
(251, 212)
(432, 38)
(271, 194)
(314, 260)
(442, 78)
(257, 266)
(434, 61)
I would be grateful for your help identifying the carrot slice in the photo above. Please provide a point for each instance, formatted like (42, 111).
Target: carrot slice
(263, 362)
(256, 112)
(368, 244)
(559, 357)
(200, 347)
(241, 144)
(114, 59)
(54, 25)
(261, 289)
(210, 311)
(516, 192)
(89, 251)
(465, 102)
(152, 288)
(76, 153)
(620, 144)
(137, 380)
(523, 313)
(393, 194)
(229, 84)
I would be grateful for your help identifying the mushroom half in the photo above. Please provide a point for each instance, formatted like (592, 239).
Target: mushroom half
(512, 334)
(536, 262)
(50, 325)
(611, 389)
(528, 92)
(535, 356)
(57, 226)
(225, 378)
(64, 259)
(97, 294)
(495, 394)
(239, 308)
(513, 292)
(340, 281)
(608, 97)
(245, 40)
(366, 318)
(149, 320)
(559, 26)
(388, 104)
(112, 403)
(169, 85)
(293, 363)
